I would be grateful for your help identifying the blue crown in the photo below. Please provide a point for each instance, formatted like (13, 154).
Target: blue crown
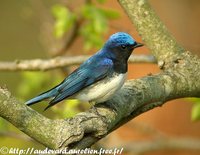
(121, 38)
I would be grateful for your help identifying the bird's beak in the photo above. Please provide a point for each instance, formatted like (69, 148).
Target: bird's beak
(138, 45)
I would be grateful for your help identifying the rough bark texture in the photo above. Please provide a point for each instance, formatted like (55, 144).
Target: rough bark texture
(179, 78)
(153, 31)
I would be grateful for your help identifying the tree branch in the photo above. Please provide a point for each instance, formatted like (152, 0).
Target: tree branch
(151, 28)
(180, 78)
(136, 97)
(58, 62)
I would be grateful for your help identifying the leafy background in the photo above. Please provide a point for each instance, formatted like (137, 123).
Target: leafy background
(43, 29)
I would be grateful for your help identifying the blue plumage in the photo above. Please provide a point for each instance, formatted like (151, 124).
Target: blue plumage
(105, 65)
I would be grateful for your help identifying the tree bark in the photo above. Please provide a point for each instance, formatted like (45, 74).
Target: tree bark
(179, 78)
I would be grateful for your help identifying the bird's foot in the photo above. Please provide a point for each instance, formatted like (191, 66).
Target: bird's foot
(95, 111)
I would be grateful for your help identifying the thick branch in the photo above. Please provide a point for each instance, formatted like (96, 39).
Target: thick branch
(181, 79)
(58, 62)
(136, 97)
(150, 27)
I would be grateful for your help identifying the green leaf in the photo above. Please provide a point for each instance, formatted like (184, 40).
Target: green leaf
(101, 1)
(91, 37)
(195, 112)
(95, 25)
(88, 11)
(111, 14)
(94, 28)
(59, 11)
(64, 20)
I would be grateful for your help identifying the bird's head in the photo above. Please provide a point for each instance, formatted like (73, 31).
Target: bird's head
(120, 46)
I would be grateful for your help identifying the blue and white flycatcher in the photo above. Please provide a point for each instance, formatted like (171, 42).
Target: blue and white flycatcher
(99, 77)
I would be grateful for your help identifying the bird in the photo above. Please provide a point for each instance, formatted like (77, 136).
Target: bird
(99, 77)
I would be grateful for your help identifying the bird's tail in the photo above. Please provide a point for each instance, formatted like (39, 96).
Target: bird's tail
(46, 95)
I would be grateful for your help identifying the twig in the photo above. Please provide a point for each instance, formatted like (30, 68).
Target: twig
(58, 62)
(136, 97)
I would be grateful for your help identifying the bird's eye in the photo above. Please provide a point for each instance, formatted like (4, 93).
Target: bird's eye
(123, 47)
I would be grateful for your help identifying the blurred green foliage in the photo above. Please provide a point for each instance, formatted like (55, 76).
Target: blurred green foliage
(3, 124)
(32, 82)
(96, 25)
(69, 109)
(94, 22)
(195, 114)
(64, 19)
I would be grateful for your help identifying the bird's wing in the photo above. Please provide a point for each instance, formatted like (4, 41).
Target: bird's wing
(84, 76)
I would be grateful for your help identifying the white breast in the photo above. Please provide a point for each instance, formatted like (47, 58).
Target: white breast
(102, 90)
